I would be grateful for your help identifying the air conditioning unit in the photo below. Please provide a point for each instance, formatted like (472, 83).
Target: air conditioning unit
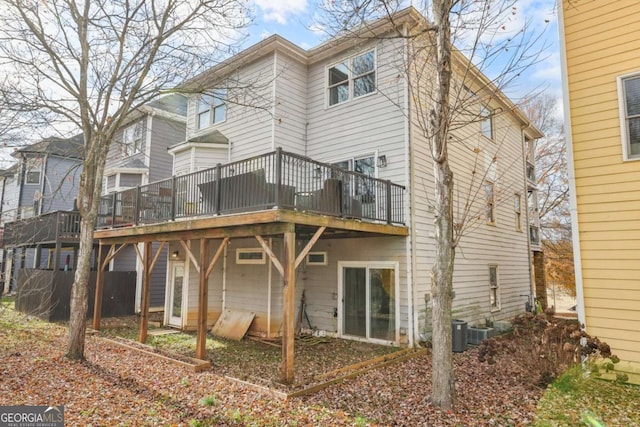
(476, 335)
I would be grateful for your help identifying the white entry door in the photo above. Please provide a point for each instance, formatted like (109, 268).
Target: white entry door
(177, 284)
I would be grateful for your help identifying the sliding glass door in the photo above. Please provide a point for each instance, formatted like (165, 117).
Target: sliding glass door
(369, 302)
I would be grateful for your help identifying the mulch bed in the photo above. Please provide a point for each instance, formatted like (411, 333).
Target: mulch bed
(119, 386)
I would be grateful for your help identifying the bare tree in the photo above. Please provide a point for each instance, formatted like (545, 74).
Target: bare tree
(459, 59)
(84, 66)
(553, 191)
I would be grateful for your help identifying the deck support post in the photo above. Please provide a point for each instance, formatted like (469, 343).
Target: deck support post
(146, 293)
(97, 303)
(289, 306)
(203, 299)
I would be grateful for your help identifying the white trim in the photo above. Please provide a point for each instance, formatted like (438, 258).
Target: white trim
(327, 96)
(622, 109)
(498, 306)
(119, 170)
(163, 113)
(171, 320)
(273, 100)
(262, 260)
(573, 202)
(147, 147)
(369, 265)
(325, 260)
(186, 145)
(139, 273)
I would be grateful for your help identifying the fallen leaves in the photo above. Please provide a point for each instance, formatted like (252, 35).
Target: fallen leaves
(119, 386)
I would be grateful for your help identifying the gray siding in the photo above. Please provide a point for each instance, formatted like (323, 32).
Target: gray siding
(158, 278)
(62, 180)
(164, 133)
(116, 157)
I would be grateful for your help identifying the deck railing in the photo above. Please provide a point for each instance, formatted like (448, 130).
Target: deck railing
(275, 180)
(49, 227)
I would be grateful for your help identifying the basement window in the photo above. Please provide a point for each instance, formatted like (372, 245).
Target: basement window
(250, 256)
(317, 258)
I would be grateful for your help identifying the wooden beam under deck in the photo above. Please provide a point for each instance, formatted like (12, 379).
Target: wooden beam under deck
(264, 223)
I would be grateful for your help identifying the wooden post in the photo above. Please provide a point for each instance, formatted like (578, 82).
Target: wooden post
(97, 301)
(203, 296)
(36, 262)
(56, 256)
(289, 306)
(146, 293)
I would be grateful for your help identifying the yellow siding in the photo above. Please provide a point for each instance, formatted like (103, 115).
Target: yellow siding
(602, 42)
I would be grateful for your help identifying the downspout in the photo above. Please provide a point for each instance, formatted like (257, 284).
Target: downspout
(573, 202)
(409, 204)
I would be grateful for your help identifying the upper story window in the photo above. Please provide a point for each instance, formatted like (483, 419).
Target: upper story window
(132, 139)
(33, 171)
(212, 109)
(352, 78)
(629, 95)
(486, 122)
(517, 208)
(490, 202)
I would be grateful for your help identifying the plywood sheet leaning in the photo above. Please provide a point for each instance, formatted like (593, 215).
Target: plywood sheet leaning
(233, 324)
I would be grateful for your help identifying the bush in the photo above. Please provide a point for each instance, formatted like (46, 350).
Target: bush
(545, 346)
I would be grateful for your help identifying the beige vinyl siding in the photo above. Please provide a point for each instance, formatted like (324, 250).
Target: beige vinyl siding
(248, 124)
(365, 125)
(205, 157)
(602, 42)
(482, 244)
(321, 282)
(214, 301)
(182, 162)
(291, 104)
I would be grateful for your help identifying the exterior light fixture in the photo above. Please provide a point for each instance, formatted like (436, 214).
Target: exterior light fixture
(382, 161)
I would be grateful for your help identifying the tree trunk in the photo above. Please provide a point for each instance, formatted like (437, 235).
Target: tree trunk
(96, 148)
(442, 272)
(442, 290)
(80, 292)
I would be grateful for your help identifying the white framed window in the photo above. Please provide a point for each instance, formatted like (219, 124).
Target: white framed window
(629, 104)
(317, 258)
(33, 171)
(486, 122)
(212, 109)
(517, 208)
(132, 139)
(494, 288)
(250, 256)
(490, 202)
(352, 78)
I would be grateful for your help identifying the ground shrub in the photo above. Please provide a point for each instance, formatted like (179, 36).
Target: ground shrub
(545, 346)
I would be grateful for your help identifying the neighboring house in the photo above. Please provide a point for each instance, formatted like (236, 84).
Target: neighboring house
(601, 73)
(138, 155)
(342, 213)
(44, 184)
(8, 213)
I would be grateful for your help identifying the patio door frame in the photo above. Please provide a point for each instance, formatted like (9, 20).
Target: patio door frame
(171, 266)
(367, 265)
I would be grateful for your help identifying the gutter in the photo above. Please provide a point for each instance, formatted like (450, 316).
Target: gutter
(573, 201)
